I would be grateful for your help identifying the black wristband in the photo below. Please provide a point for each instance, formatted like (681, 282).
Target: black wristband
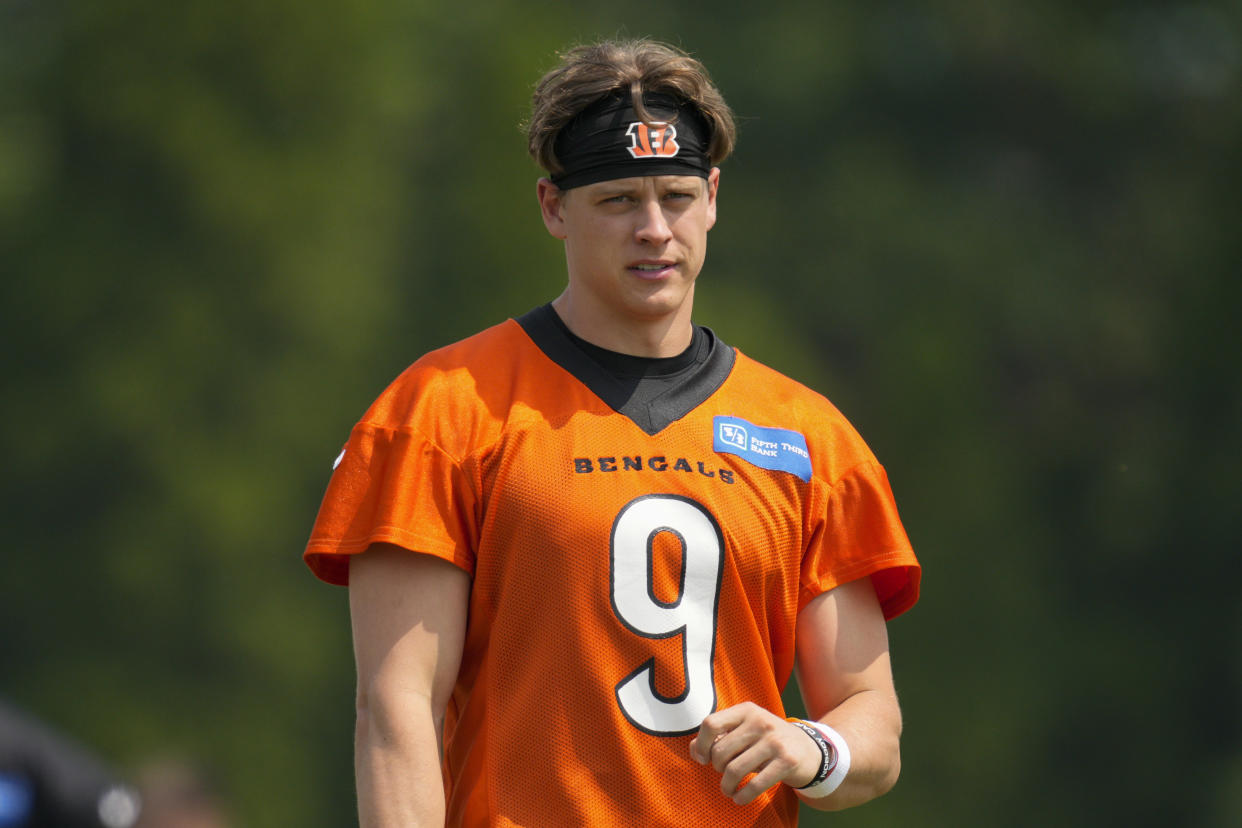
(826, 751)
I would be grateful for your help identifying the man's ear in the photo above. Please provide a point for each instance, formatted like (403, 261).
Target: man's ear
(713, 186)
(551, 205)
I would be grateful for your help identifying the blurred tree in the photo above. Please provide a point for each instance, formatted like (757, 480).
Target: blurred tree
(202, 233)
(1001, 237)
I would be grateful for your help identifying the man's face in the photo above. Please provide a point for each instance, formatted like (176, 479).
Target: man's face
(633, 246)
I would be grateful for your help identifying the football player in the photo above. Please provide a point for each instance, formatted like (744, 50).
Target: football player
(587, 548)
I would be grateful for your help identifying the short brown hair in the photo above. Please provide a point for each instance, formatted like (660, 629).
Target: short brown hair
(590, 72)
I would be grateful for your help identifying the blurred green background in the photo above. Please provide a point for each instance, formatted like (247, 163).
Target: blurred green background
(1004, 238)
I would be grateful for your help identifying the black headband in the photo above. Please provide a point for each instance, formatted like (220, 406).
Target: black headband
(609, 140)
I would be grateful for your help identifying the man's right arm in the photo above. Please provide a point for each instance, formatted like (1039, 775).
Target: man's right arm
(408, 613)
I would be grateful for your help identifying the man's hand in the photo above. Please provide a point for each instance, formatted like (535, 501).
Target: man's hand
(747, 739)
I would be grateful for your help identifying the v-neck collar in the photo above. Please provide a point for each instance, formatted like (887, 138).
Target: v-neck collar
(624, 394)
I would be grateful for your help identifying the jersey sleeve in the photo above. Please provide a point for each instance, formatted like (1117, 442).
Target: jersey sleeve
(857, 533)
(392, 485)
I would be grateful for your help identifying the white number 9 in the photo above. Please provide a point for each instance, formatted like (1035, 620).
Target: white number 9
(692, 615)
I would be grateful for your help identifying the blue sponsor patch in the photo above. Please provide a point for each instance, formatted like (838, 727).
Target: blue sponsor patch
(778, 449)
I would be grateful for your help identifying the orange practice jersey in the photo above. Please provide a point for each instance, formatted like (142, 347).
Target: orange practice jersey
(625, 583)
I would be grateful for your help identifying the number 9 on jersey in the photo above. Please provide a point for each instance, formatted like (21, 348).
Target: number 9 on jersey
(691, 615)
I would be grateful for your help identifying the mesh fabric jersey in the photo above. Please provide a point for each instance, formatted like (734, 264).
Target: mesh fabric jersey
(626, 580)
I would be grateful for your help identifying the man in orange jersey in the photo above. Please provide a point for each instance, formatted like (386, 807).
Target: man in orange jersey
(587, 547)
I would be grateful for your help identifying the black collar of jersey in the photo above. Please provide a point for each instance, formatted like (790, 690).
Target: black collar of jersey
(653, 392)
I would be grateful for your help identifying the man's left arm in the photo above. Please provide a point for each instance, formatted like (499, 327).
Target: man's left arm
(847, 683)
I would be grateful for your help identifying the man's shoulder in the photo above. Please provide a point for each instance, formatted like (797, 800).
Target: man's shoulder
(488, 346)
(779, 401)
(777, 388)
(453, 380)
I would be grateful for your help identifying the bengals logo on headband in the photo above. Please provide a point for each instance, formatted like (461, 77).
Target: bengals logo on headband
(655, 141)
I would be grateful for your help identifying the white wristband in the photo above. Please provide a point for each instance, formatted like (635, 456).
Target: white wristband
(834, 779)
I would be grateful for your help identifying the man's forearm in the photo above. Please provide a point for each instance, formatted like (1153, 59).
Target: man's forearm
(397, 767)
(870, 723)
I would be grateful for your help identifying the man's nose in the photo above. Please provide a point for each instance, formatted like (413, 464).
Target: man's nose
(652, 224)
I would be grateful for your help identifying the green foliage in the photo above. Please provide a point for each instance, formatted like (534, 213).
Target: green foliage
(1002, 238)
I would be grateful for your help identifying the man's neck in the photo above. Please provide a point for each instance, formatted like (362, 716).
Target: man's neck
(663, 336)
